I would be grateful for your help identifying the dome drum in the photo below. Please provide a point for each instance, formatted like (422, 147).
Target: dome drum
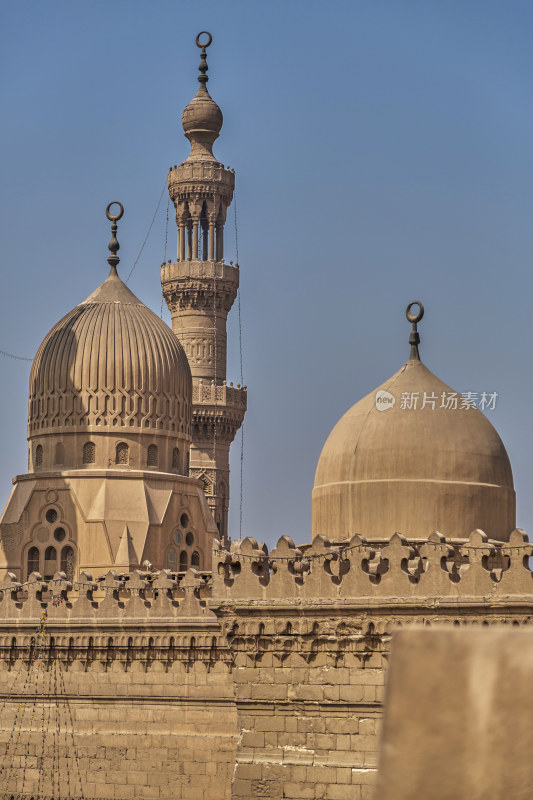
(110, 449)
(377, 509)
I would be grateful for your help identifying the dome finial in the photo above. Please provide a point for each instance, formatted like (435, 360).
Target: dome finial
(113, 245)
(203, 78)
(414, 319)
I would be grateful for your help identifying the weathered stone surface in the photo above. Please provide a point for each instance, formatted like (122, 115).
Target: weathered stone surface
(457, 716)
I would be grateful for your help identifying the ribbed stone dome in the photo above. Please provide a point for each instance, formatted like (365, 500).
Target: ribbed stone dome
(413, 470)
(110, 363)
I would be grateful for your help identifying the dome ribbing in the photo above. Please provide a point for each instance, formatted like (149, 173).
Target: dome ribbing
(110, 363)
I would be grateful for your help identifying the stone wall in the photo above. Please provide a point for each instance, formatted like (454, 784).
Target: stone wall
(267, 682)
(310, 629)
(131, 693)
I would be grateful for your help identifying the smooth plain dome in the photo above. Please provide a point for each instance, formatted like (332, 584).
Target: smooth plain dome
(110, 363)
(413, 471)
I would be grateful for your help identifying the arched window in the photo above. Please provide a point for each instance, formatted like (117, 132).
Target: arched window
(122, 454)
(151, 458)
(60, 453)
(89, 453)
(187, 463)
(33, 560)
(68, 562)
(195, 559)
(50, 562)
(184, 562)
(171, 559)
(175, 459)
(39, 455)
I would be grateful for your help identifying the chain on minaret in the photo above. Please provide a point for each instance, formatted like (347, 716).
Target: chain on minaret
(200, 288)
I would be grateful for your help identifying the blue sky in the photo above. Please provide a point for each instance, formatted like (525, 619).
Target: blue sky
(383, 153)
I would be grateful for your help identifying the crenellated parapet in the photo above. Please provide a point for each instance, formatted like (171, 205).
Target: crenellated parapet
(310, 629)
(143, 618)
(475, 570)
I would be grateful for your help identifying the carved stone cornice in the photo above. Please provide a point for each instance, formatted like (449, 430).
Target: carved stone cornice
(221, 421)
(193, 285)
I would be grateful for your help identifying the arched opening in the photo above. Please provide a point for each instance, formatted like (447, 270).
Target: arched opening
(33, 560)
(122, 453)
(50, 562)
(68, 562)
(59, 453)
(184, 561)
(39, 455)
(171, 559)
(89, 453)
(151, 457)
(175, 459)
(195, 559)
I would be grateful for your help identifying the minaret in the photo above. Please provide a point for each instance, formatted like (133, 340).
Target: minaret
(199, 289)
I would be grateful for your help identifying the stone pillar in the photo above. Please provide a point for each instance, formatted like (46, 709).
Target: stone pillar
(181, 241)
(220, 241)
(205, 235)
(195, 240)
(211, 253)
(189, 241)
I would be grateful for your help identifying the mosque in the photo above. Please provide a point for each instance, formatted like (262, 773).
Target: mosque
(145, 655)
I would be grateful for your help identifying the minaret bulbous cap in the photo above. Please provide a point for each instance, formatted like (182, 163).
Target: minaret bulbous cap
(202, 118)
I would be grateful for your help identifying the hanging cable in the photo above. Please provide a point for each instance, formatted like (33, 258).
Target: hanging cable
(149, 231)
(214, 254)
(15, 358)
(240, 357)
(165, 256)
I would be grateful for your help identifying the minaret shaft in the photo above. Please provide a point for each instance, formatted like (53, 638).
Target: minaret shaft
(199, 289)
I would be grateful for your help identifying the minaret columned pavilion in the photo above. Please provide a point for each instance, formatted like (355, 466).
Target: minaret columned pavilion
(200, 288)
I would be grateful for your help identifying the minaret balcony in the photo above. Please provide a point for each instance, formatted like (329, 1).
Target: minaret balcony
(199, 269)
(201, 179)
(221, 395)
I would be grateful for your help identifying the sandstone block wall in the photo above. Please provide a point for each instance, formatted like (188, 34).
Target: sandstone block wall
(268, 685)
(126, 703)
(309, 629)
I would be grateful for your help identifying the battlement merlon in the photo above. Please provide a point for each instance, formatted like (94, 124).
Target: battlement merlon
(478, 571)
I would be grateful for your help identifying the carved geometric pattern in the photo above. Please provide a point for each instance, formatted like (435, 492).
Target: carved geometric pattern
(106, 408)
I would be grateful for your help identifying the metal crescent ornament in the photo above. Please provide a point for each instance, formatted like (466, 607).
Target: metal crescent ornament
(114, 217)
(204, 44)
(415, 317)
